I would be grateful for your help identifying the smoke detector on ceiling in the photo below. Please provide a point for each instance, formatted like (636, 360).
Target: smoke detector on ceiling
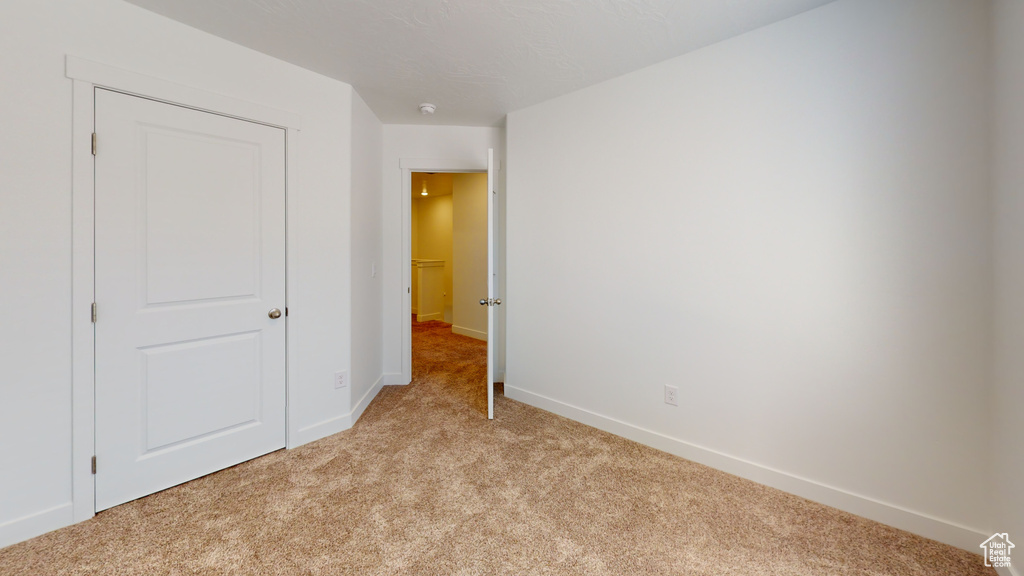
(427, 108)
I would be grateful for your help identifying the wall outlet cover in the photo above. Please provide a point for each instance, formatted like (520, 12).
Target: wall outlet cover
(672, 395)
(341, 379)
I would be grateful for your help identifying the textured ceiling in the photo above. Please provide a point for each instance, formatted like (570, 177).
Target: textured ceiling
(475, 59)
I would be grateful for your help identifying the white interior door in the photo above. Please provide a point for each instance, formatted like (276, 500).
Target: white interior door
(190, 266)
(491, 299)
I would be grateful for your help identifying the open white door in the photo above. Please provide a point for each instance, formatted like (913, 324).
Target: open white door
(491, 300)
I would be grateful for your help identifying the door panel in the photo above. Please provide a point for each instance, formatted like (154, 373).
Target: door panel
(491, 192)
(183, 220)
(211, 380)
(190, 369)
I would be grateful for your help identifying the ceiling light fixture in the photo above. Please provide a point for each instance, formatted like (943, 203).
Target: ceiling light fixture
(424, 193)
(427, 108)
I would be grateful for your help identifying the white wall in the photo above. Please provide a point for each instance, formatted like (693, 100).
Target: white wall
(458, 143)
(35, 224)
(469, 254)
(1008, 211)
(367, 256)
(792, 227)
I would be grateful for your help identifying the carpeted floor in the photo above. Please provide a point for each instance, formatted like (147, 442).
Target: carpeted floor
(424, 484)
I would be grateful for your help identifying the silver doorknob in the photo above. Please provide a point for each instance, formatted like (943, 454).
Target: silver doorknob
(274, 313)
(497, 301)
(483, 302)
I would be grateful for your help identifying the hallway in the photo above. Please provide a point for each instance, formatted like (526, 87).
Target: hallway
(451, 369)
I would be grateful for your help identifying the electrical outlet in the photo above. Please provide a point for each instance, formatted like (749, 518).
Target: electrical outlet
(340, 379)
(671, 395)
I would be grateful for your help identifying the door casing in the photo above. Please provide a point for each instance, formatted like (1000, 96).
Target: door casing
(86, 76)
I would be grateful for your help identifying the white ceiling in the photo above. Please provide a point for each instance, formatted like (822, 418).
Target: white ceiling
(475, 59)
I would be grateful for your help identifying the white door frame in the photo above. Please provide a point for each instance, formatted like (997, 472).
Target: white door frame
(87, 76)
(408, 166)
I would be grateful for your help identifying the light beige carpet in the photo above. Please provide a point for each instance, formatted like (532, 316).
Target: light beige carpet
(424, 484)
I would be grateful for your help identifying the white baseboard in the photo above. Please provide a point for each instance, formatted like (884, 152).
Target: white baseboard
(429, 317)
(339, 423)
(323, 429)
(21, 529)
(469, 332)
(366, 399)
(499, 376)
(922, 524)
(394, 379)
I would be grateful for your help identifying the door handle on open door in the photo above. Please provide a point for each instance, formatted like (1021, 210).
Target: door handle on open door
(274, 313)
(489, 302)
(497, 301)
(483, 301)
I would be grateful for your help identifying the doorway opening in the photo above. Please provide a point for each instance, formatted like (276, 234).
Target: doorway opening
(449, 250)
(449, 274)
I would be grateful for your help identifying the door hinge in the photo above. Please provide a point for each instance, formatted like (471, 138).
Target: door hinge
(286, 311)
(93, 143)
(93, 312)
(93, 464)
